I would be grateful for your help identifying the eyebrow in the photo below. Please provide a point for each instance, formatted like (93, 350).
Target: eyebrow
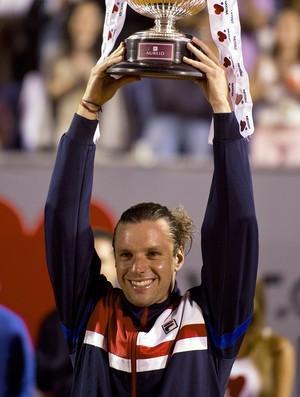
(154, 248)
(123, 250)
(151, 248)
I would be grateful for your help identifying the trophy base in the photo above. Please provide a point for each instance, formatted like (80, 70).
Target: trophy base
(156, 70)
(157, 57)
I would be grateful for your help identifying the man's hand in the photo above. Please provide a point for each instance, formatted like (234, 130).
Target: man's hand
(101, 87)
(215, 86)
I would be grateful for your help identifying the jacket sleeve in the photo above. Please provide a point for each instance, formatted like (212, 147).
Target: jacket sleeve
(229, 241)
(72, 262)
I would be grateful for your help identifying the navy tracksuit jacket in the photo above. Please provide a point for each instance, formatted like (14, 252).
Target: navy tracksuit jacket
(183, 347)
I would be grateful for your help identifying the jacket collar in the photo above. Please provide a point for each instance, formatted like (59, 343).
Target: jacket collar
(144, 317)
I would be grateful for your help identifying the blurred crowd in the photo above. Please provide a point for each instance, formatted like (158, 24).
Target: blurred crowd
(47, 48)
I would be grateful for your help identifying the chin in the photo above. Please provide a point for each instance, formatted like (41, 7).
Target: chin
(140, 302)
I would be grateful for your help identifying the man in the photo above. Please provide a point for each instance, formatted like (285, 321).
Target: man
(146, 339)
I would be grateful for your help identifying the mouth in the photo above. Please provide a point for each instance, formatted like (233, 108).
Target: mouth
(141, 283)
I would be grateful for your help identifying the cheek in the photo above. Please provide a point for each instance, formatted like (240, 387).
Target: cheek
(122, 270)
(166, 271)
(119, 275)
(119, 271)
(119, 268)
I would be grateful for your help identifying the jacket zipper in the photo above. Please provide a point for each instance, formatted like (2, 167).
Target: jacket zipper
(133, 363)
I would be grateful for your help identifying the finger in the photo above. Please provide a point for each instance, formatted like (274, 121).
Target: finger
(197, 64)
(101, 67)
(205, 48)
(112, 60)
(120, 51)
(203, 57)
(205, 54)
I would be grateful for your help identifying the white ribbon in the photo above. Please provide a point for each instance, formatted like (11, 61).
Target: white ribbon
(226, 32)
(115, 15)
(113, 24)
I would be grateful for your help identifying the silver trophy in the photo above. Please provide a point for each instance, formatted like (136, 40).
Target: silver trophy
(158, 52)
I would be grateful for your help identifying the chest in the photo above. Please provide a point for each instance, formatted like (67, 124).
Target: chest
(176, 330)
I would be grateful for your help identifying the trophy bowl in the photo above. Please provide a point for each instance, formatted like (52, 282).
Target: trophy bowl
(158, 52)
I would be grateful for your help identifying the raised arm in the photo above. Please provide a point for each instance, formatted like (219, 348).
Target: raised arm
(229, 240)
(72, 262)
(229, 231)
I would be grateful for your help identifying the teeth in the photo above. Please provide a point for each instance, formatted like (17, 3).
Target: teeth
(144, 283)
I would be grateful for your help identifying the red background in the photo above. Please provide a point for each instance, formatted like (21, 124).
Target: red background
(25, 284)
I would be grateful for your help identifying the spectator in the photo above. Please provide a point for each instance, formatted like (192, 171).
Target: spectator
(67, 70)
(256, 17)
(265, 366)
(17, 364)
(24, 121)
(276, 93)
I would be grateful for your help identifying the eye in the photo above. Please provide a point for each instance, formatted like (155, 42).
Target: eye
(125, 255)
(153, 254)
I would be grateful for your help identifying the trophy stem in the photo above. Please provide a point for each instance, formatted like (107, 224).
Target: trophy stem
(164, 26)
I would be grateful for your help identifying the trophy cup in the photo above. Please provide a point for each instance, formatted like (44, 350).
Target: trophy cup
(158, 52)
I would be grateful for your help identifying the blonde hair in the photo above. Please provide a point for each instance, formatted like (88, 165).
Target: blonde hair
(180, 225)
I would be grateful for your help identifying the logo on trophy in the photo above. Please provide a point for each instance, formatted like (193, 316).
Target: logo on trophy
(158, 52)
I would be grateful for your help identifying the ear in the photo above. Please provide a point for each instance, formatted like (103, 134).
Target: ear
(179, 260)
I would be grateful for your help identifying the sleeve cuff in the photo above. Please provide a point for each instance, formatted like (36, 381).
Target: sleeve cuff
(226, 126)
(82, 129)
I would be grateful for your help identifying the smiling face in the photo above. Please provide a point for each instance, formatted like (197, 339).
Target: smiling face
(145, 261)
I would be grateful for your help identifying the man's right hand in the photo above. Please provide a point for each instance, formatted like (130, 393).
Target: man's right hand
(101, 87)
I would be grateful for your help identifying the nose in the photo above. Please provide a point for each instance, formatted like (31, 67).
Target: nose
(139, 265)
